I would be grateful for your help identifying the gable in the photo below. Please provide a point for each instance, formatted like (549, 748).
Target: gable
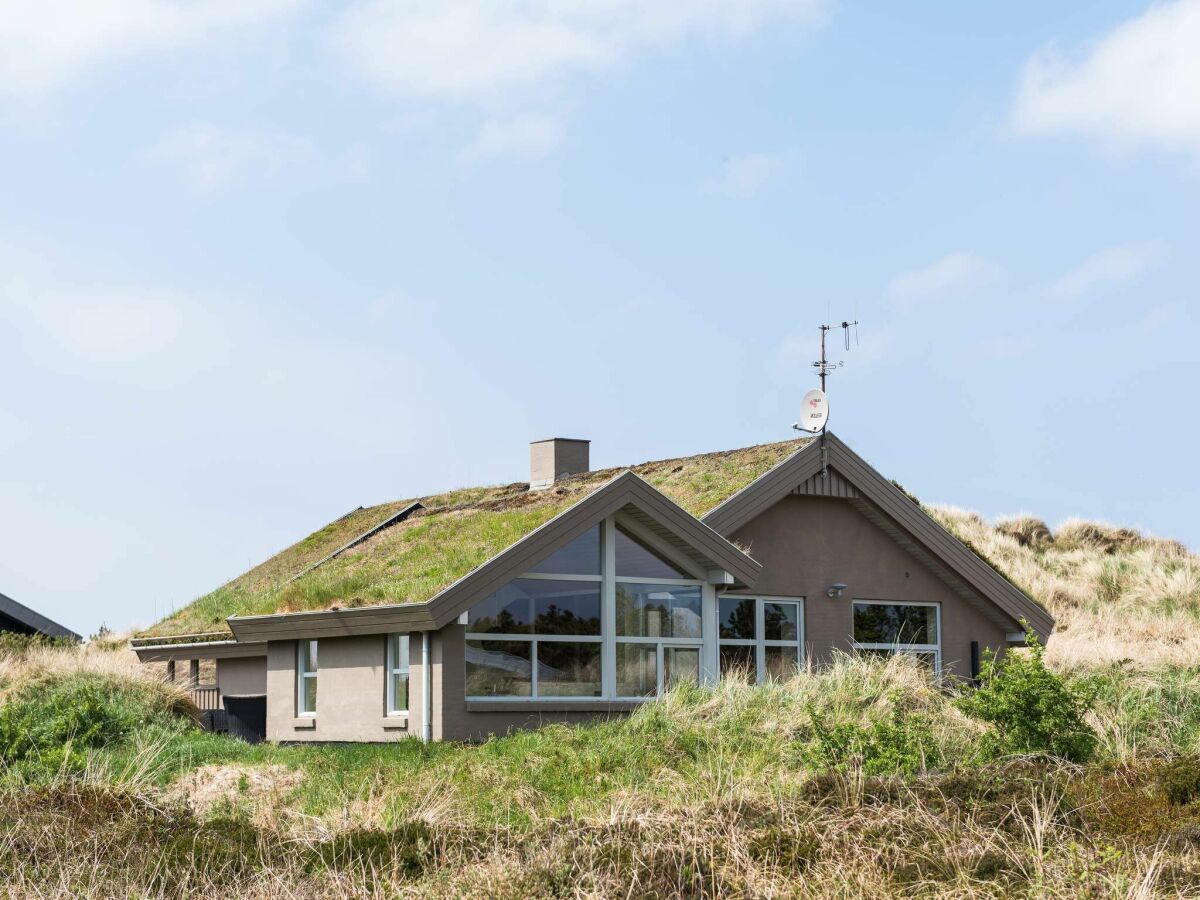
(412, 551)
(683, 536)
(828, 468)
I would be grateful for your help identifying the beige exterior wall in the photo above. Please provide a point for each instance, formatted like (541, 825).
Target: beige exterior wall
(351, 692)
(807, 544)
(238, 675)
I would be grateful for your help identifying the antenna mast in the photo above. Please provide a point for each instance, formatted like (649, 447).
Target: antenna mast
(823, 365)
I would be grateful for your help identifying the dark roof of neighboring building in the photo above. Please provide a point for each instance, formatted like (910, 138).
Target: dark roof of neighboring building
(412, 550)
(20, 618)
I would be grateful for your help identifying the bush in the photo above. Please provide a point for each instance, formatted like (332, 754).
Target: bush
(46, 725)
(1030, 708)
(900, 744)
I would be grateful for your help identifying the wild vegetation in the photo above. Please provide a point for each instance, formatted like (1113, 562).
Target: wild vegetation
(1062, 774)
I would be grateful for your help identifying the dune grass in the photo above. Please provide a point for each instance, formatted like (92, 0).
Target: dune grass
(1117, 594)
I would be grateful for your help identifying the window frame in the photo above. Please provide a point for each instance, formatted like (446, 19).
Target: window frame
(303, 676)
(392, 661)
(608, 638)
(896, 646)
(759, 642)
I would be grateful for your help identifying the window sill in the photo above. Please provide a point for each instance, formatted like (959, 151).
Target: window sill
(395, 722)
(304, 722)
(523, 705)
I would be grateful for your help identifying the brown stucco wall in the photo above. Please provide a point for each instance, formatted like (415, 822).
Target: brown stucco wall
(241, 675)
(351, 698)
(808, 543)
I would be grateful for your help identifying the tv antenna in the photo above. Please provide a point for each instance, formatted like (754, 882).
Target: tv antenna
(815, 406)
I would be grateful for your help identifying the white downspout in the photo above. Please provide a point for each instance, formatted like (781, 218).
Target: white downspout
(426, 692)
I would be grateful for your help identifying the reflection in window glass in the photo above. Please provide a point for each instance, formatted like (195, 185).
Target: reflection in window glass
(636, 560)
(656, 610)
(499, 669)
(539, 606)
(737, 618)
(781, 662)
(637, 670)
(568, 669)
(740, 658)
(680, 664)
(894, 623)
(580, 557)
(780, 621)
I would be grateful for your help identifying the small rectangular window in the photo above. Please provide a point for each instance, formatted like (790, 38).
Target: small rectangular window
(397, 674)
(881, 627)
(306, 678)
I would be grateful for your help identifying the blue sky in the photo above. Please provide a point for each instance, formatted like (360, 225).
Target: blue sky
(264, 261)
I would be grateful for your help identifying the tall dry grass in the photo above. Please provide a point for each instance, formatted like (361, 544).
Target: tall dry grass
(1116, 593)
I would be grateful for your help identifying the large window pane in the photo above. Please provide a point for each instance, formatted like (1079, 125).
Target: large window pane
(565, 607)
(499, 669)
(737, 618)
(894, 623)
(739, 658)
(637, 670)
(507, 611)
(657, 610)
(580, 557)
(541, 606)
(568, 669)
(680, 664)
(781, 662)
(636, 560)
(399, 692)
(780, 621)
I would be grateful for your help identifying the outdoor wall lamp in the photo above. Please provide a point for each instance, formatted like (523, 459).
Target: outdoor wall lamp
(835, 590)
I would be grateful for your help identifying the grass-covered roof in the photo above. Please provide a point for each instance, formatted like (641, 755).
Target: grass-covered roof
(449, 536)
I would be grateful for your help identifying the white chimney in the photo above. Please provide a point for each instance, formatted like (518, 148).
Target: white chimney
(553, 458)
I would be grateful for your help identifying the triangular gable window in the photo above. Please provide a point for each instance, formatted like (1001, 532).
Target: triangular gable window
(580, 557)
(636, 560)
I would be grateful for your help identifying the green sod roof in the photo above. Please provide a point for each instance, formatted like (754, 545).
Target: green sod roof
(449, 536)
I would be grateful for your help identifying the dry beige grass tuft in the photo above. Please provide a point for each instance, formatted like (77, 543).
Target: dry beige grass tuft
(1117, 594)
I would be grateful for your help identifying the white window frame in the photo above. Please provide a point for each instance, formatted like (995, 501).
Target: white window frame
(897, 647)
(303, 676)
(399, 661)
(759, 642)
(607, 639)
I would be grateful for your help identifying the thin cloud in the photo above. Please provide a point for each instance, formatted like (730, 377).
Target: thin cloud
(1114, 265)
(743, 176)
(956, 274)
(48, 44)
(212, 158)
(1137, 87)
(483, 49)
(528, 137)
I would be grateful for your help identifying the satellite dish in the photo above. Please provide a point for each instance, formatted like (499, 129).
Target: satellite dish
(814, 412)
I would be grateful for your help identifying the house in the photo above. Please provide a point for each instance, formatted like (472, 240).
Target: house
(20, 619)
(583, 593)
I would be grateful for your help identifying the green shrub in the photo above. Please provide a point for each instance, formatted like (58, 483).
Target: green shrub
(898, 744)
(1180, 780)
(46, 725)
(1030, 708)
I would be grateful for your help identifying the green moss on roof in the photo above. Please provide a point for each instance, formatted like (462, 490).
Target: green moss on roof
(451, 535)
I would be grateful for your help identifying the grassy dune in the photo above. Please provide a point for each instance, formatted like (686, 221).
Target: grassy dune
(864, 779)
(1117, 594)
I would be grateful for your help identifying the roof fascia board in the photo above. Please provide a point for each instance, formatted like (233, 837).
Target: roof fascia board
(780, 481)
(944, 545)
(206, 650)
(35, 620)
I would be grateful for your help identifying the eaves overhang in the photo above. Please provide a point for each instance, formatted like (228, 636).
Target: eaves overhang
(166, 652)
